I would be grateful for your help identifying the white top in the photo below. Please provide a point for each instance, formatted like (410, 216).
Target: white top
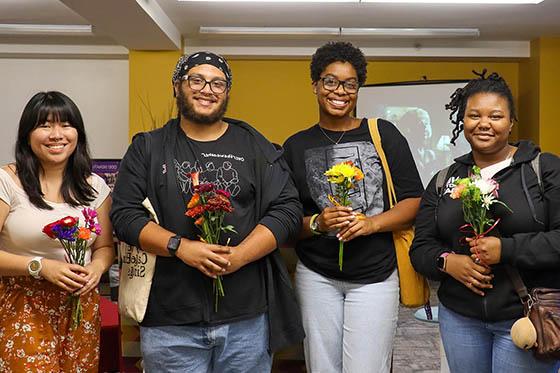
(490, 171)
(22, 233)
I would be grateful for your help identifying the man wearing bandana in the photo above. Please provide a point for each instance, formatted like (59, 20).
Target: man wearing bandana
(183, 329)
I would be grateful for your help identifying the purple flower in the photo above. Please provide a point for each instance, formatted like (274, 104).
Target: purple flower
(65, 233)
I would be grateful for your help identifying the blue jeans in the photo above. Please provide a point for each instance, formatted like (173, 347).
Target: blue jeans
(472, 345)
(348, 327)
(240, 346)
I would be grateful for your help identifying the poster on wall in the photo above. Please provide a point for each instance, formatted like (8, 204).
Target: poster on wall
(130, 358)
(108, 169)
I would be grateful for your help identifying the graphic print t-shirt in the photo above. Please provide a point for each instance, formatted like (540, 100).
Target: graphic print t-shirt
(229, 163)
(310, 153)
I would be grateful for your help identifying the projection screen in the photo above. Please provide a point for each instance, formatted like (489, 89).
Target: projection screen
(418, 111)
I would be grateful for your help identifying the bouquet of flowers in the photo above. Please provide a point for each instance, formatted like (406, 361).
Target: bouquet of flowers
(344, 176)
(74, 239)
(208, 206)
(477, 195)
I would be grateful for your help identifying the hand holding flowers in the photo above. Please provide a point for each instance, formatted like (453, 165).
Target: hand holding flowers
(344, 176)
(74, 239)
(477, 195)
(208, 206)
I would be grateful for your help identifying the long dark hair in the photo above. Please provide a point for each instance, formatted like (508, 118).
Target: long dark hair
(75, 189)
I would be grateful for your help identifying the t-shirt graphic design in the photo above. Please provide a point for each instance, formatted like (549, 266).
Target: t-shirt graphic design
(220, 173)
(367, 198)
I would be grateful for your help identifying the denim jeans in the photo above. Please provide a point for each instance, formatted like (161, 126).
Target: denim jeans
(472, 345)
(349, 327)
(237, 347)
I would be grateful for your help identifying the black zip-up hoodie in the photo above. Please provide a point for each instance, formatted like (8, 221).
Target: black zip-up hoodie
(530, 235)
(179, 294)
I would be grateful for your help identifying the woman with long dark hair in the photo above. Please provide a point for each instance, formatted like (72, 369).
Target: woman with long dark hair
(50, 179)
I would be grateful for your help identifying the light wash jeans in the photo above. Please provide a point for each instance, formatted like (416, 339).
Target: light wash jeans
(237, 347)
(472, 345)
(349, 327)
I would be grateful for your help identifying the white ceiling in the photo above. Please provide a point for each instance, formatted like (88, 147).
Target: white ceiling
(159, 24)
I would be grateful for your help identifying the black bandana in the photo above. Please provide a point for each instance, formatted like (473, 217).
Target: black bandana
(186, 63)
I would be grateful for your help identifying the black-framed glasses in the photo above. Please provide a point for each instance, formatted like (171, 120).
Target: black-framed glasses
(330, 83)
(197, 83)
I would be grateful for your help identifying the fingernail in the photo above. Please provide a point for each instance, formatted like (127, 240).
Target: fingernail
(337, 235)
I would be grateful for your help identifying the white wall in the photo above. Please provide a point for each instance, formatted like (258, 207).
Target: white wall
(98, 86)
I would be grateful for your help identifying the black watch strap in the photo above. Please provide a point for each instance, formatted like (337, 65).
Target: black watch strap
(173, 244)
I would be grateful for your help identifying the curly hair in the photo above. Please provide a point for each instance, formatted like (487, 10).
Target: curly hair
(338, 51)
(492, 83)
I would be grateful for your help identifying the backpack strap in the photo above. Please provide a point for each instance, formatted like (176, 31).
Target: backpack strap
(536, 166)
(441, 178)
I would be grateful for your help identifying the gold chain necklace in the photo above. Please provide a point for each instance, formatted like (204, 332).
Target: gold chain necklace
(328, 137)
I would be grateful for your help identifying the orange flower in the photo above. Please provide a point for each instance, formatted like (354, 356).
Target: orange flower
(194, 177)
(358, 174)
(456, 192)
(199, 221)
(84, 233)
(195, 200)
(195, 211)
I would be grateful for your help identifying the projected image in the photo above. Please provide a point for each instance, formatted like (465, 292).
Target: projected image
(419, 113)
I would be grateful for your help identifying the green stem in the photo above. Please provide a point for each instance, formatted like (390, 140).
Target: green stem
(340, 254)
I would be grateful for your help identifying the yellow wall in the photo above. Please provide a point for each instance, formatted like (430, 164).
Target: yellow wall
(549, 96)
(529, 76)
(150, 90)
(276, 97)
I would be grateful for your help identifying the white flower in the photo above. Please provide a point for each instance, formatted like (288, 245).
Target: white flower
(20, 353)
(10, 344)
(486, 186)
(26, 327)
(487, 200)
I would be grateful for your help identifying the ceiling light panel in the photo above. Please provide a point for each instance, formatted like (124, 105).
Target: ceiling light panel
(33, 29)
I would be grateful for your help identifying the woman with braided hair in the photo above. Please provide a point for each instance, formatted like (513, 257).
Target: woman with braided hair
(478, 302)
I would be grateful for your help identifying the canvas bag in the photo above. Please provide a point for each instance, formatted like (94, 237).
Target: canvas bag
(137, 272)
(414, 289)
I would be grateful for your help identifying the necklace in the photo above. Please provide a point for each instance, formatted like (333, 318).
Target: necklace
(328, 137)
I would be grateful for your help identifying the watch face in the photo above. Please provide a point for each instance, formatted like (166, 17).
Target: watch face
(34, 265)
(173, 244)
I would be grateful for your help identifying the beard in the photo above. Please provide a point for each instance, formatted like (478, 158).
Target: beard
(187, 110)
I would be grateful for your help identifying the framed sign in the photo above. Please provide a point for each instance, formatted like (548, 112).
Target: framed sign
(108, 169)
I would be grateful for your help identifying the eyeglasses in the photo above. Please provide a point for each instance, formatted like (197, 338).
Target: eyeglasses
(197, 83)
(330, 83)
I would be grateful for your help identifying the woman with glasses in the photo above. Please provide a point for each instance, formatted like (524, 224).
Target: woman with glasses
(349, 314)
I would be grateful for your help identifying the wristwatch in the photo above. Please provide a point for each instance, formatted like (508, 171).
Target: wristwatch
(314, 225)
(34, 267)
(442, 260)
(173, 244)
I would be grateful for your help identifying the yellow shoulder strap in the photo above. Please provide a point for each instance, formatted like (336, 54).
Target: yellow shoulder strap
(374, 133)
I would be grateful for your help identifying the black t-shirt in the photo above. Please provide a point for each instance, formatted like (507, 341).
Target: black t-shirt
(310, 153)
(229, 163)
